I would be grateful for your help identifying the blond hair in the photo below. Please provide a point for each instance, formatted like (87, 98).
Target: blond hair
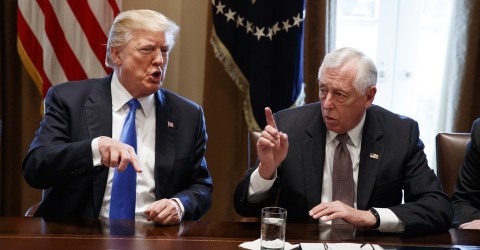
(128, 21)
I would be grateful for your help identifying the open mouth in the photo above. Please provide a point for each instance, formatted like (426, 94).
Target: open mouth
(156, 76)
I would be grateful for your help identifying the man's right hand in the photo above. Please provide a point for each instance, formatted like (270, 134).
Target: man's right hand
(116, 154)
(272, 147)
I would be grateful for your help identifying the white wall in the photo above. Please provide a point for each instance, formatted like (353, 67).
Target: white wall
(185, 74)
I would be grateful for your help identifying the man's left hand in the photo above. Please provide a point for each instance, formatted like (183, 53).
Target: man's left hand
(339, 210)
(474, 224)
(164, 212)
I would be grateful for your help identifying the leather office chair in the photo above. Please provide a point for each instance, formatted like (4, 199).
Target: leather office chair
(31, 211)
(252, 139)
(451, 149)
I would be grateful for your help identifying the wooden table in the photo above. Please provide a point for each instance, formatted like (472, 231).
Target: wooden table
(37, 233)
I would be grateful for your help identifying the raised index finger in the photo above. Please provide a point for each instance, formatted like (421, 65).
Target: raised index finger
(269, 117)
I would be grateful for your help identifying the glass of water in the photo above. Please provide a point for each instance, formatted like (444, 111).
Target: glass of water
(274, 221)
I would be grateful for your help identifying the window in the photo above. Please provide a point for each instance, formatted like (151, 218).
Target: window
(408, 40)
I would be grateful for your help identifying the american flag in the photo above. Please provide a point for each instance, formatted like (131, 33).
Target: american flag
(64, 40)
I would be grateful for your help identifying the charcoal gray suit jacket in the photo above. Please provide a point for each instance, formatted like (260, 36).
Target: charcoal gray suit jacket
(401, 166)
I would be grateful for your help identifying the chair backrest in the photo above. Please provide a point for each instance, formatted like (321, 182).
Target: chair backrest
(451, 149)
(253, 137)
(31, 210)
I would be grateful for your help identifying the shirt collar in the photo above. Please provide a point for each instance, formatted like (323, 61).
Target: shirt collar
(355, 134)
(120, 96)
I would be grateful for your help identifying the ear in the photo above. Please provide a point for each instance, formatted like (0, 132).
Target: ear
(115, 54)
(370, 96)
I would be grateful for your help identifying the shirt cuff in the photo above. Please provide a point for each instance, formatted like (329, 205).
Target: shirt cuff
(97, 158)
(258, 188)
(389, 222)
(178, 204)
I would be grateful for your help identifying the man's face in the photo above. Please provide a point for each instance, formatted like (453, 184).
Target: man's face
(342, 105)
(141, 64)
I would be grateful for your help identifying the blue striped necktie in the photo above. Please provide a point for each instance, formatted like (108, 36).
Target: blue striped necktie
(122, 200)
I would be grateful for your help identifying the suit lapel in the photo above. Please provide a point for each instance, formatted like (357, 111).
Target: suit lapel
(98, 112)
(313, 154)
(370, 158)
(166, 131)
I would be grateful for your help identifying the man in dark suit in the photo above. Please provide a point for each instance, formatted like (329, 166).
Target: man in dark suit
(466, 196)
(77, 150)
(386, 156)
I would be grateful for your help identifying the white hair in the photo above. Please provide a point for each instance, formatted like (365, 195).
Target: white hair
(366, 72)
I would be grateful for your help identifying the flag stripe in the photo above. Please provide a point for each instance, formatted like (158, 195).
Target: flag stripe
(60, 41)
(68, 61)
(31, 48)
(36, 20)
(90, 26)
(103, 13)
(77, 40)
(115, 7)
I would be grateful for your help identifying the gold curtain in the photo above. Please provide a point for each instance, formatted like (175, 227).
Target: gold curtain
(226, 128)
(20, 116)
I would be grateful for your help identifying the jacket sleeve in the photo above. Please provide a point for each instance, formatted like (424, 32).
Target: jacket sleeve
(466, 197)
(196, 197)
(240, 199)
(426, 207)
(54, 157)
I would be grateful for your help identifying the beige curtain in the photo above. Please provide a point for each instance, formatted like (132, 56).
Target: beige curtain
(461, 102)
(226, 126)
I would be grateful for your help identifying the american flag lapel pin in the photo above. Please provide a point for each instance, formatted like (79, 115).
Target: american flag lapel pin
(170, 124)
(374, 156)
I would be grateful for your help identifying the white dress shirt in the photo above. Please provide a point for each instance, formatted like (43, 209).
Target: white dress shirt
(145, 127)
(389, 222)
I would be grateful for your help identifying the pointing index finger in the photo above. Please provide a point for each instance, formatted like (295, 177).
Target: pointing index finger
(269, 117)
(135, 163)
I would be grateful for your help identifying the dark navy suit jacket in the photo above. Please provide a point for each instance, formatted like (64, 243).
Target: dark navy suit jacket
(466, 196)
(60, 156)
(401, 167)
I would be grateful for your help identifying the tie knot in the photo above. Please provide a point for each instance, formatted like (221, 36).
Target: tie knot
(133, 104)
(343, 138)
